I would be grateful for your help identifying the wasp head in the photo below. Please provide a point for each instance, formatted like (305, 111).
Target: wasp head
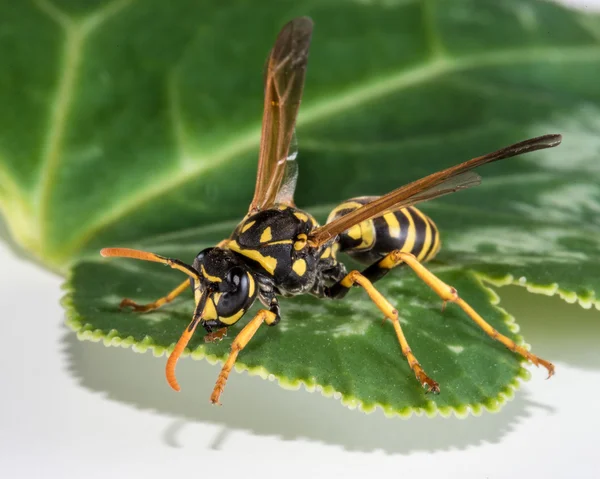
(229, 287)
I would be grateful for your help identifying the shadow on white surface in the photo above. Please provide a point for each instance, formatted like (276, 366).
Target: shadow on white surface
(264, 409)
(559, 331)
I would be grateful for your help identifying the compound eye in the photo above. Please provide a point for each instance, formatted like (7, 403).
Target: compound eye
(235, 276)
(200, 256)
(238, 296)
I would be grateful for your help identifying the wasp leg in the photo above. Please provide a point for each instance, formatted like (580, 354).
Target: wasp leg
(449, 294)
(181, 344)
(239, 343)
(143, 308)
(355, 278)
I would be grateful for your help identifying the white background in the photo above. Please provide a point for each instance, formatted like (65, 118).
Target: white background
(69, 409)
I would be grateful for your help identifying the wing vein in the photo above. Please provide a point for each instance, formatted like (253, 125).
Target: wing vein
(435, 185)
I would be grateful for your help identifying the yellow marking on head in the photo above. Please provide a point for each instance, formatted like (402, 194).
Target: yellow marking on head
(427, 240)
(266, 235)
(354, 232)
(301, 216)
(326, 253)
(392, 224)
(229, 320)
(301, 241)
(209, 310)
(197, 292)
(299, 267)
(247, 226)
(251, 285)
(214, 279)
(282, 207)
(267, 262)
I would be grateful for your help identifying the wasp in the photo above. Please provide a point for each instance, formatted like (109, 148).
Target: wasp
(279, 249)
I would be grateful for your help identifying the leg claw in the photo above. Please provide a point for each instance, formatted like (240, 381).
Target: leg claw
(431, 386)
(549, 367)
(541, 362)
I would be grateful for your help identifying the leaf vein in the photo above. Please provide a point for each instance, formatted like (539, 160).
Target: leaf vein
(76, 34)
(334, 104)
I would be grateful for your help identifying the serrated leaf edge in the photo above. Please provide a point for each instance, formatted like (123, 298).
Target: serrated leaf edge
(551, 289)
(85, 333)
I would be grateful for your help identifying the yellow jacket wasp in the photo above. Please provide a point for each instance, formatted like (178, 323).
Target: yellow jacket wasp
(278, 249)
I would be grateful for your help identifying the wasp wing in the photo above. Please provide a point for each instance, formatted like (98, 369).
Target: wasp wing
(284, 82)
(285, 194)
(456, 183)
(437, 184)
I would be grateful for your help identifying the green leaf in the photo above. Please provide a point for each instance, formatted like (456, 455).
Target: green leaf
(137, 124)
(340, 346)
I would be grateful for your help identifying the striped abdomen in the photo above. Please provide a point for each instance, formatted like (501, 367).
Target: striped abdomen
(405, 229)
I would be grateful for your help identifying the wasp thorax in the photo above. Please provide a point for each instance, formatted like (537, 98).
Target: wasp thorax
(230, 285)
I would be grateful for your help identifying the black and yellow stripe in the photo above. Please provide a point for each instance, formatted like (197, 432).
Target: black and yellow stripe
(406, 229)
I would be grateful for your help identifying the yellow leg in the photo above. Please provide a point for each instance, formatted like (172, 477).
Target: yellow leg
(142, 308)
(183, 341)
(354, 277)
(448, 293)
(239, 343)
(177, 351)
